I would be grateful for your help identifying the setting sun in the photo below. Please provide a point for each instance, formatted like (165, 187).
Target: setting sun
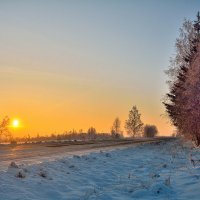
(15, 123)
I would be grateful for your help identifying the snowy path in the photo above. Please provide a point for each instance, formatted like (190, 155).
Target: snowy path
(162, 170)
(37, 153)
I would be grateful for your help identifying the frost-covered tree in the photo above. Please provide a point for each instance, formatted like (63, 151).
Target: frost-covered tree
(184, 73)
(133, 124)
(186, 46)
(191, 125)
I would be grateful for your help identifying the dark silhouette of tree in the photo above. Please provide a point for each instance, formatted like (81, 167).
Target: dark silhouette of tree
(134, 124)
(115, 130)
(92, 133)
(150, 131)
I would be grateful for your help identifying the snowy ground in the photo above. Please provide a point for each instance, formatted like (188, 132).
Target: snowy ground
(161, 170)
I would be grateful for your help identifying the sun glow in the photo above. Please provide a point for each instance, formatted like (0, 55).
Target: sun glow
(15, 123)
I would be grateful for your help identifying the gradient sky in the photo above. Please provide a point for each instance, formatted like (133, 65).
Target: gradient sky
(75, 64)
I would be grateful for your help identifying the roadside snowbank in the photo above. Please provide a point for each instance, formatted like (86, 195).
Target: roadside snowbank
(161, 170)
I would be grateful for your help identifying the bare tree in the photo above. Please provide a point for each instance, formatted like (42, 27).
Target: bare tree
(115, 130)
(92, 133)
(150, 131)
(4, 131)
(134, 124)
(185, 44)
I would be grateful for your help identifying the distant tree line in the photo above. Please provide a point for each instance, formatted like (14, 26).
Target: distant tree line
(133, 126)
(68, 135)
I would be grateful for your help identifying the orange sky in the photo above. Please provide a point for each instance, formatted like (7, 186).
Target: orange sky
(46, 103)
(67, 65)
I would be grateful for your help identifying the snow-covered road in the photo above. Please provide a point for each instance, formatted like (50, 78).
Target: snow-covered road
(161, 170)
(36, 153)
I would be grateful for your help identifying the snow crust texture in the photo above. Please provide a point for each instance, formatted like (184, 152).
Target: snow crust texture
(159, 170)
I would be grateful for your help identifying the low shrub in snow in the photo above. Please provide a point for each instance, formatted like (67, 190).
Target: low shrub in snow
(20, 174)
(13, 165)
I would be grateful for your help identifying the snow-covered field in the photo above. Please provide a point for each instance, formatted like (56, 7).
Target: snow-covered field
(161, 170)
